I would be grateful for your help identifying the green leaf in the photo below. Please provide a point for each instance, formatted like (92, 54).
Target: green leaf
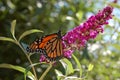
(59, 73)
(78, 64)
(13, 24)
(90, 67)
(79, 15)
(10, 4)
(7, 39)
(18, 68)
(68, 66)
(72, 78)
(29, 32)
(60, 76)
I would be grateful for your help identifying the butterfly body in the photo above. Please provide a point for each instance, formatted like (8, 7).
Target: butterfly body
(50, 46)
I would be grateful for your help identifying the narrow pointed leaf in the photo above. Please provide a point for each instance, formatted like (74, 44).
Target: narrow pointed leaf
(68, 66)
(18, 68)
(59, 73)
(60, 76)
(78, 64)
(13, 24)
(29, 32)
(7, 39)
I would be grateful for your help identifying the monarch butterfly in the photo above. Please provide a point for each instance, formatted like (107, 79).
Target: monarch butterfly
(50, 46)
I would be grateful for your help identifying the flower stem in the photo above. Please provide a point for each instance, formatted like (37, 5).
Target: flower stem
(46, 71)
(33, 68)
(78, 64)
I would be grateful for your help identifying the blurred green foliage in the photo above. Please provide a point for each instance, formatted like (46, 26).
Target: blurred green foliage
(49, 16)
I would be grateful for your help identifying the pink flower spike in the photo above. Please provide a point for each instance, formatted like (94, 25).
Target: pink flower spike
(77, 37)
(68, 53)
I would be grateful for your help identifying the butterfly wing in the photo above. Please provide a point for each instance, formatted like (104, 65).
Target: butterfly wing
(34, 47)
(52, 46)
(49, 45)
(53, 49)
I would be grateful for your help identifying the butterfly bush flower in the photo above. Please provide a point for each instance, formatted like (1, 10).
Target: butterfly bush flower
(42, 58)
(77, 37)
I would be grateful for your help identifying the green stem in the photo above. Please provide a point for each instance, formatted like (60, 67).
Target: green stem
(78, 64)
(86, 75)
(33, 68)
(46, 71)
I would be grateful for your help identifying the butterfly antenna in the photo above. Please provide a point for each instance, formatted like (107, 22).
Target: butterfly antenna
(60, 29)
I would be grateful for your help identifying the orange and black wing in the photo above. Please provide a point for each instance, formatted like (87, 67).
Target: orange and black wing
(50, 46)
(34, 47)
